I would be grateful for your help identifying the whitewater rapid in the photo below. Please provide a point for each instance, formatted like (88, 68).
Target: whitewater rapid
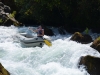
(60, 59)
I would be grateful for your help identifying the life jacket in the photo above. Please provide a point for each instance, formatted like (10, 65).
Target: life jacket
(39, 32)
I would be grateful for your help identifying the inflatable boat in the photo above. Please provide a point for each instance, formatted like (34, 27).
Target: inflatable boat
(28, 40)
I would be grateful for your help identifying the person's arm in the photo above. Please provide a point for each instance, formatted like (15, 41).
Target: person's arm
(32, 30)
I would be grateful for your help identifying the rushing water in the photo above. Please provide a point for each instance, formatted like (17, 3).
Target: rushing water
(60, 59)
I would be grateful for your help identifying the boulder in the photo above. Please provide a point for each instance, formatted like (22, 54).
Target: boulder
(81, 38)
(96, 44)
(47, 31)
(10, 3)
(3, 71)
(76, 37)
(7, 9)
(6, 17)
(1, 4)
(91, 64)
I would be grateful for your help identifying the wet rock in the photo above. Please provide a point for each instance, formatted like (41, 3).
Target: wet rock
(9, 3)
(3, 71)
(81, 38)
(76, 37)
(61, 30)
(91, 64)
(1, 4)
(96, 44)
(1, 8)
(7, 9)
(47, 31)
(6, 17)
(86, 39)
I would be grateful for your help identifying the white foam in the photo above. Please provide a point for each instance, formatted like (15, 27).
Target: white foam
(59, 59)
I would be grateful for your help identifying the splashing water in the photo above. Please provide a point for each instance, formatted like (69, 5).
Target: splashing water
(60, 59)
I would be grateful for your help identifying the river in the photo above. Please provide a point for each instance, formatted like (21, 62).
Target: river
(60, 59)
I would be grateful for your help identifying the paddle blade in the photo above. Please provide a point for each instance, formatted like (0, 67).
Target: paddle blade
(47, 42)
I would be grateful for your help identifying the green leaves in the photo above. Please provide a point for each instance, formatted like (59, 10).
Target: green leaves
(1, 20)
(81, 13)
(86, 31)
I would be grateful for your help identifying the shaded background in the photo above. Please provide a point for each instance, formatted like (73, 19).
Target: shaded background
(68, 14)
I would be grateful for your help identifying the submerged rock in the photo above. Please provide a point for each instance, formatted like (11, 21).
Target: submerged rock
(3, 71)
(81, 38)
(91, 64)
(96, 44)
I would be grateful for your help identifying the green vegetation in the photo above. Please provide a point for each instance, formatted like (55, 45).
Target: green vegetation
(98, 38)
(1, 20)
(86, 31)
(76, 13)
(13, 14)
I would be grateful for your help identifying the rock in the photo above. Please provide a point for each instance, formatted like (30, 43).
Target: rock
(91, 63)
(10, 3)
(77, 37)
(86, 39)
(1, 8)
(6, 18)
(81, 38)
(61, 30)
(96, 44)
(7, 9)
(47, 31)
(98, 47)
(1, 4)
(3, 71)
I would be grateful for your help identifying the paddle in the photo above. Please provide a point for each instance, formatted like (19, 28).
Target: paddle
(47, 42)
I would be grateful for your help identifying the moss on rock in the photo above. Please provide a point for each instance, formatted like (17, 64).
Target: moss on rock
(96, 44)
(91, 64)
(3, 71)
(81, 38)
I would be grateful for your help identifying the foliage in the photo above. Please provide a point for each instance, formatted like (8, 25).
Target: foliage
(98, 38)
(1, 20)
(43, 10)
(86, 31)
(13, 13)
(77, 13)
